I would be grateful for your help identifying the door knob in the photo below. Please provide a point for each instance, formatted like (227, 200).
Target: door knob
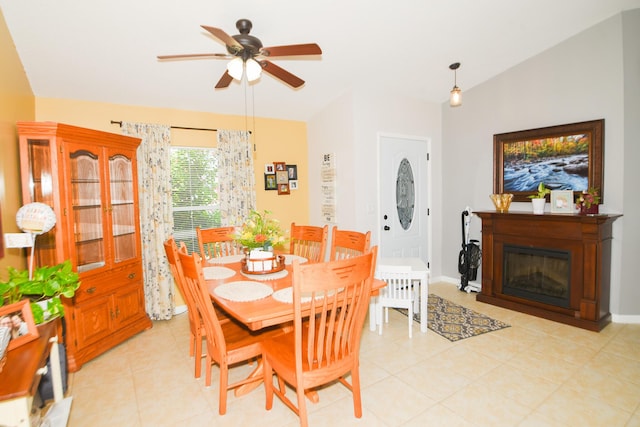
(387, 228)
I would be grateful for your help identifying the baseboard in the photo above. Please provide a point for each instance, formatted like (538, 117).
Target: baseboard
(615, 318)
(625, 318)
(455, 281)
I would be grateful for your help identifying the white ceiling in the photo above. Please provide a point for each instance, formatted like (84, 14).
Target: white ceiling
(105, 51)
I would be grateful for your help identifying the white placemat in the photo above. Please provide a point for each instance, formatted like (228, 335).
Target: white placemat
(269, 276)
(216, 273)
(288, 259)
(229, 259)
(243, 291)
(286, 295)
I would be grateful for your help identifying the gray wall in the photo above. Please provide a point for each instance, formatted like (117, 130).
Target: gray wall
(630, 291)
(590, 76)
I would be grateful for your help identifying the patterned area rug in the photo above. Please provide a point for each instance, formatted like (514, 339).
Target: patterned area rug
(455, 322)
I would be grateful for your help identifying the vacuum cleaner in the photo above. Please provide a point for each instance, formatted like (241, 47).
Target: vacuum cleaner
(469, 257)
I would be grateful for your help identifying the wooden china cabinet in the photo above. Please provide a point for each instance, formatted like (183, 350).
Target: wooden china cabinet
(89, 178)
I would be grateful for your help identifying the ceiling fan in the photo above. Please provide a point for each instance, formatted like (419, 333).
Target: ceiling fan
(247, 52)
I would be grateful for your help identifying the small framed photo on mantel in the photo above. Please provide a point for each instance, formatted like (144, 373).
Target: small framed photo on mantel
(562, 201)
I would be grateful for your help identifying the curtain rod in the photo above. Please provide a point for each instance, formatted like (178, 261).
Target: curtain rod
(119, 123)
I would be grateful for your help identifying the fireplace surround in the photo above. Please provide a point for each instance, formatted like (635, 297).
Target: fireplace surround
(555, 266)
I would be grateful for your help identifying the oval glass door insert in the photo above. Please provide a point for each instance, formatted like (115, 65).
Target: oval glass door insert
(405, 194)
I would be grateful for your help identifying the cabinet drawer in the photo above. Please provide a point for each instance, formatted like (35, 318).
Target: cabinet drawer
(108, 282)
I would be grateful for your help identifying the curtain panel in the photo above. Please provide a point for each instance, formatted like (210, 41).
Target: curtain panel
(236, 177)
(156, 214)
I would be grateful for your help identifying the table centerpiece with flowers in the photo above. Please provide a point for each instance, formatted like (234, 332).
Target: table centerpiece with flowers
(259, 235)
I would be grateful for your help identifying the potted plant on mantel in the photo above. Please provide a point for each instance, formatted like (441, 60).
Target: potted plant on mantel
(44, 289)
(538, 199)
(588, 202)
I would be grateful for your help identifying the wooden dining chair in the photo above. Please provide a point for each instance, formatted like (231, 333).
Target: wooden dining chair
(346, 244)
(227, 343)
(217, 242)
(197, 331)
(308, 241)
(324, 347)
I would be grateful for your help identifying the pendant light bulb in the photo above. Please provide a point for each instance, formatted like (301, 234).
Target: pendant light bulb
(455, 99)
(235, 68)
(254, 69)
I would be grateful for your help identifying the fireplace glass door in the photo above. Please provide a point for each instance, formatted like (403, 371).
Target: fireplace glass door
(537, 274)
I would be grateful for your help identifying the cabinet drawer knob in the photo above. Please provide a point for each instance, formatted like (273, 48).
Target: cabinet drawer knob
(91, 290)
(132, 275)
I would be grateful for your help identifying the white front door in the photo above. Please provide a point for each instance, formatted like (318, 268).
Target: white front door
(403, 197)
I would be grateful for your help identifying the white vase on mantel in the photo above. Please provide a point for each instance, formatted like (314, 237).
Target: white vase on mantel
(538, 206)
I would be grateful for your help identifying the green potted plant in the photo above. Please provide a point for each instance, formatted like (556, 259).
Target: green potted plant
(45, 288)
(538, 200)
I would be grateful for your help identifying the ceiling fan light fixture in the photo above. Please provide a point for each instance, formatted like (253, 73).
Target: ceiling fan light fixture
(254, 69)
(455, 99)
(235, 67)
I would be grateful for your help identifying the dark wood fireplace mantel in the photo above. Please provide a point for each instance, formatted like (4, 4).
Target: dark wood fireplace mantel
(587, 239)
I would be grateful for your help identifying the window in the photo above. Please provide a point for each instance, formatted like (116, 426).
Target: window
(194, 190)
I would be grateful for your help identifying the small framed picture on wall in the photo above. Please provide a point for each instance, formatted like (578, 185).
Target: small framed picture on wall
(270, 182)
(293, 184)
(269, 169)
(283, 189)
(280, 166)
(282, 177)
(292, 171)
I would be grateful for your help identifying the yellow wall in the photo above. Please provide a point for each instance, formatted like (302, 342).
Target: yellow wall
(275, 140)
(16, 104)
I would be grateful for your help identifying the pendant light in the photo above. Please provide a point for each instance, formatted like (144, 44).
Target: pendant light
(455, 100)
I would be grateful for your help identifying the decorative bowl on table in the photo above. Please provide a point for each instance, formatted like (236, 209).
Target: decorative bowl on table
(261, 262)
(502, 201)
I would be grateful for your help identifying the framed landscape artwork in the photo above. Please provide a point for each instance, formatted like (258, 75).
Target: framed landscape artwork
(565, 157)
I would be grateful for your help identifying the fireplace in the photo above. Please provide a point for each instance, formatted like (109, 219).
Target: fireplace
(537, 274)
(555, 266)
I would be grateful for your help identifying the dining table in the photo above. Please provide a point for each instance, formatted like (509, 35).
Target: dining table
(256, 299)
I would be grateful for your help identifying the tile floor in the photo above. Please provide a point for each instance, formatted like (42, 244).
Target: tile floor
(535, 373)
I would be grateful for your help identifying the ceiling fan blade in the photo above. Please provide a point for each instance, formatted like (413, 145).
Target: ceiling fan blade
(224, 81)
(224, 37)
(281, 73)
(292, 50)
(197, 55)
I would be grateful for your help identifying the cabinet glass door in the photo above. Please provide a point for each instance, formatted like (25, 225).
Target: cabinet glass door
(87, 209)
(41, 189)
(122, 207)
